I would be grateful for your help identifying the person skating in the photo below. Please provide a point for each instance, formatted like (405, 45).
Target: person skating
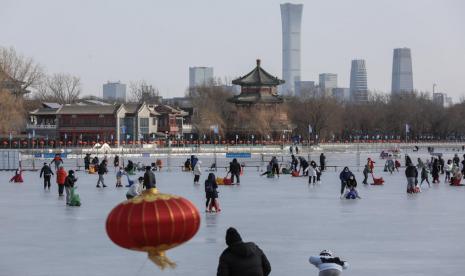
(397, 165)
(448, 168)
(47, 172)
(407, 160)
(456, 159)
(119, 176)
(420, 163)
(235, 170)
(149, 179)
(130, 168)
(366, 171)
(327, 264)
(351, 186)
(116, 162)
(441, 164)
(294, 163)
(303, 166)
(344, 176)
(135, 189)
(102, 170)
(463, 166)
(435, 171)
(424, 176)
(371, 164)
(312, 173)
(70, 179)
(269, 169)
(57, 161)
(211, 194)
(61, 178)
(275, 164)
(411, 174)
(242, 258)
(197, 172)
(87, 162)
(322, 162)
(187, 165)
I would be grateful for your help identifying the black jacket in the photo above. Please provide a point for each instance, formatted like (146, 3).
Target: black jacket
(46, 171)
(243, 259)
(411, 171)
(102, 169)
(70, 180)
(234, 167)
(149, 180)
(211, 189)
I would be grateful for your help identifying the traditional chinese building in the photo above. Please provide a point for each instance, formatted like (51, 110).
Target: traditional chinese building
(260, 109)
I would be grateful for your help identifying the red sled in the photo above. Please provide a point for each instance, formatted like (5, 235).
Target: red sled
(377, 181)
(295, 173)
(227, 181)
(456, 182)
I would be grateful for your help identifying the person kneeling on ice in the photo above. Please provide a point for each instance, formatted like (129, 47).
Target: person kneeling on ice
(135, 189)
(269, 169)
(242, 258)
(351, 186)
(327, 264)
(211, 193)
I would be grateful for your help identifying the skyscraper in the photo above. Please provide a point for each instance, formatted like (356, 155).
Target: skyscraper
(291, 18)
(328, 80)
(199, 76)
(402, 78)
(114, 91)
(358, 81)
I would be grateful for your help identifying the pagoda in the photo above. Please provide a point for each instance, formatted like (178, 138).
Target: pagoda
(259, 108)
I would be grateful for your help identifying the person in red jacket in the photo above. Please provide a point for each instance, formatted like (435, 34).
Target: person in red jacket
(18, 177)
(61, 176)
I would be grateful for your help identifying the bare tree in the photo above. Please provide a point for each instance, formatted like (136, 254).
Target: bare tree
(12, 119)
(20, 68)
(142, 91)
(61, 88)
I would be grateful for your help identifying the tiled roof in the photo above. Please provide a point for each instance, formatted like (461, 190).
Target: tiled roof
(258, 77)
(87, 109)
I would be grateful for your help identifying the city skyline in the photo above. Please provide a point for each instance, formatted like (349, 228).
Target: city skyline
(159, 42)
(402, 75)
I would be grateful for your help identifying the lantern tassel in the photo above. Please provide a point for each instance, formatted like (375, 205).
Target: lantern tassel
(161, 260)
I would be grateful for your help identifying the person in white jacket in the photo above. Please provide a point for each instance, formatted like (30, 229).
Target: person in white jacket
(135, 189)
(327, 264)
(197, 172)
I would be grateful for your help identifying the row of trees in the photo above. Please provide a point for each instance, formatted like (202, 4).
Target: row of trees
(382, 115)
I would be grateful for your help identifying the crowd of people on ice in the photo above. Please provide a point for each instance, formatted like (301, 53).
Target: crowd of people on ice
(240, 257)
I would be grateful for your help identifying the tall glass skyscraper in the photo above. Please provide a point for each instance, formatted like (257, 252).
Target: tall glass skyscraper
(402, 77)
(291, 17)
(358, 81)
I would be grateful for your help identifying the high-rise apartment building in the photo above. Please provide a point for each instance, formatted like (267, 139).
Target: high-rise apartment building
(358, 81)
(402, 77)
(199, 76)
(291, 18)
(115, 91)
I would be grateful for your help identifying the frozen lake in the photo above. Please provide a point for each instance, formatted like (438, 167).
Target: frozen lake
(388, 232)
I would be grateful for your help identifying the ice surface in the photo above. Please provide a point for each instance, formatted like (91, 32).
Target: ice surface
(388, 232)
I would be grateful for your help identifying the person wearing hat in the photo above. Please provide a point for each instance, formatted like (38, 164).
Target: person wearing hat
(61, 178)
(149, 178)
(327, 264)
(69, 184)
(47, 172)
(242, 258)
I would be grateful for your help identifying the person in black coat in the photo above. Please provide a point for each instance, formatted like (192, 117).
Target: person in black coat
(149, 179)
(211, 193)
(87, 162)
(235, 170)
(435, 170)
(242, 259)
(102, 169)
(322, 161)
(47, 172)
(303, 166)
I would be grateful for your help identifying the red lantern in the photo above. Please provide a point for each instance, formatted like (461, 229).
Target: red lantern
(153, 222)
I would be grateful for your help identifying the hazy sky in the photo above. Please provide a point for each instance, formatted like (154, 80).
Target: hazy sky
(157, 41)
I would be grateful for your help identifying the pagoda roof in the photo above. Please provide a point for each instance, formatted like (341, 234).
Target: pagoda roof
(258, 77)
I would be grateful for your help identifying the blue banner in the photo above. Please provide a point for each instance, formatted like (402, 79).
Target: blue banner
(52, 155)
(238, 155)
